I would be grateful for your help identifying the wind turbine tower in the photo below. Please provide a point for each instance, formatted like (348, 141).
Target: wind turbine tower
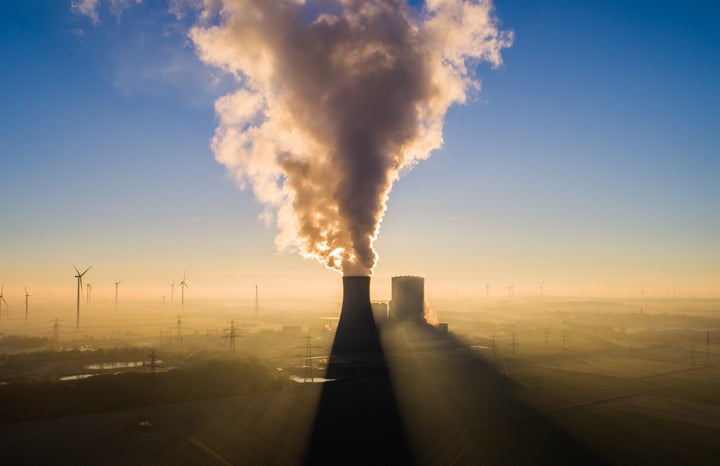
(117, 283)
(172, 292)
(79, 290)
(88, 291)
(27, 295)
(2, 299)
(183, 285)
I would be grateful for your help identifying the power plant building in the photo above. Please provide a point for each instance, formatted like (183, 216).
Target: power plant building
(408, 299)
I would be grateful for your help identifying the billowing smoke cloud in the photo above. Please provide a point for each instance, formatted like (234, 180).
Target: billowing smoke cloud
(336, 97)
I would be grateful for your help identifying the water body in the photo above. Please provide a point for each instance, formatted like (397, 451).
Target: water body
(76, 377)
(297, 379)
(113, 365)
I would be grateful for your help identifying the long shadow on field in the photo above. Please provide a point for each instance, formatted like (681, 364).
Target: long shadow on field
(427, 398)
(357, 421)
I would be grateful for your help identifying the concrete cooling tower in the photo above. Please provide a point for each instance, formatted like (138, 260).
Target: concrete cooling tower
(408, 299)
(356, 331)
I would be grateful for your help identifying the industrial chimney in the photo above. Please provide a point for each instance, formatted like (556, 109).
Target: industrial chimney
(356, 331)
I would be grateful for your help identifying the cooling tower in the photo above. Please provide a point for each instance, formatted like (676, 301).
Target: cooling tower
(356, 331)
(408, 299)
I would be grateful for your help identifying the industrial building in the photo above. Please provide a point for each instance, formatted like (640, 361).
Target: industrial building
(357, 327)
(408, 299)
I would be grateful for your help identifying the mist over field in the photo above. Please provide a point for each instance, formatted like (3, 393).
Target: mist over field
(586, 364)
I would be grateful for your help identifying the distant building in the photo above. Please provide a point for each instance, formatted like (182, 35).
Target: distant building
(293, 329)
(330, 323)
(408, 299)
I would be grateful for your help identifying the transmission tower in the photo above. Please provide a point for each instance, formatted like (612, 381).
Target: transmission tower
(178, 333)
(308, 359)
(232, 334)
(153, 362)
(56, 330)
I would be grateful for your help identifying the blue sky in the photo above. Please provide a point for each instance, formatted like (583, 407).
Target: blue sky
(589, 162)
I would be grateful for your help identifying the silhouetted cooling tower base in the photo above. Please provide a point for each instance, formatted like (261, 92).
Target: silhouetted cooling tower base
(356, 331)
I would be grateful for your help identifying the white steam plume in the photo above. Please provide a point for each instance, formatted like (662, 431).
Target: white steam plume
(335, 97)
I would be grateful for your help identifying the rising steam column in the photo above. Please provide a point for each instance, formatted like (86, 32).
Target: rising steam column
(356, 331)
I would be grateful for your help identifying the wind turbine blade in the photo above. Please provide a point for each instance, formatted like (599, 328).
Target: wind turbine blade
(76, 270)
(86, 271)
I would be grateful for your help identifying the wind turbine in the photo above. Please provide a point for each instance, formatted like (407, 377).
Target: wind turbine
(172, 292)
(257, 303)
(27, 295)
(88, 290)
(2, 299)
(116, 291)
(79, 290)
(183, 285)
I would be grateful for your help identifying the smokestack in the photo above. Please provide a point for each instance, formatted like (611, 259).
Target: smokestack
(356, 330)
